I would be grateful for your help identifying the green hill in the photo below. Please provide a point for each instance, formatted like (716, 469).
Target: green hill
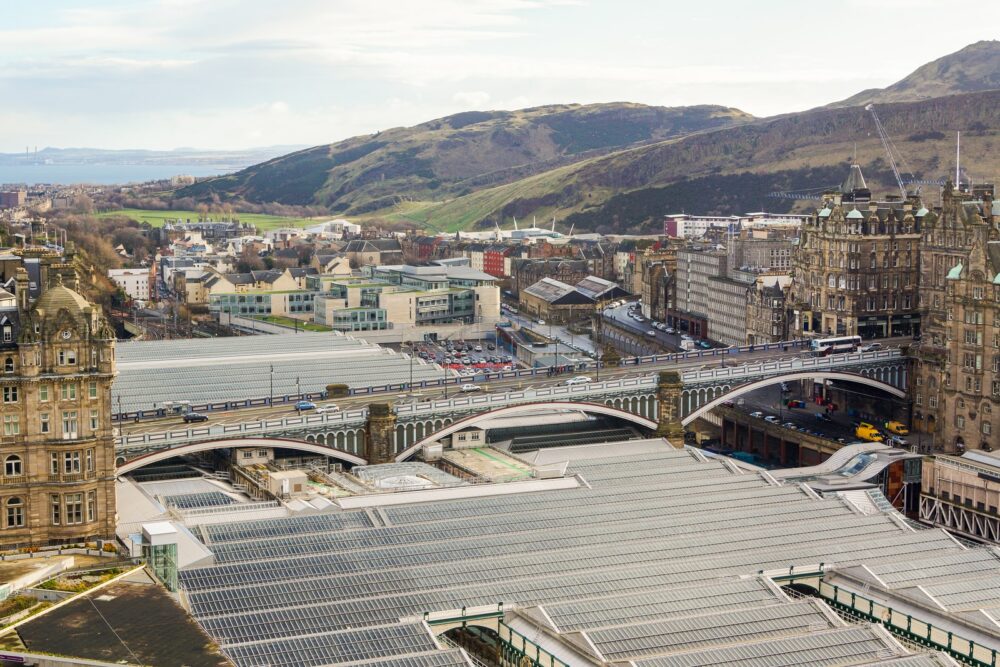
(454, 156)
(621, 167)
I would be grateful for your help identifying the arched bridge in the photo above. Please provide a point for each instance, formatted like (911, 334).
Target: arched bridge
(527, 408)
(346, 434)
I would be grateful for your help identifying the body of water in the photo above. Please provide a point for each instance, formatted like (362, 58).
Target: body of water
(103, 174)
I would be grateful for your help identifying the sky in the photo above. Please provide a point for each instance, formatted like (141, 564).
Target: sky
(230, 74)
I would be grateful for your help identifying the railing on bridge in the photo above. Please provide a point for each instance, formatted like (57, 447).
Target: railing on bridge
(352, 418)
(145, 441)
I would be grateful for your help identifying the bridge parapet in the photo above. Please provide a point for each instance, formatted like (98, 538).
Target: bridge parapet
(767, 368)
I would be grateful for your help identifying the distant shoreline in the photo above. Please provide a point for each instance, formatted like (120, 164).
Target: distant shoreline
(104, 174)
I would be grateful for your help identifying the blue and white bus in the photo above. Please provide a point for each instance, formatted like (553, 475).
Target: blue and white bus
(838, 345)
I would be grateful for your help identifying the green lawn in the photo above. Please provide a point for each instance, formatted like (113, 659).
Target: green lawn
(289, 322)
(158, 218)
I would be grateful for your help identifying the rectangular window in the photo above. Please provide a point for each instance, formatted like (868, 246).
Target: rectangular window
(43, 393)
(92, 389)
(67, 357)
(10, 394)
(54, 463)
(90, 460)
(70, 425)
(43, 423)
(67, 391)
(56, 513)
(74, 508)
(11, 425)
(71, 462)
(91, 505)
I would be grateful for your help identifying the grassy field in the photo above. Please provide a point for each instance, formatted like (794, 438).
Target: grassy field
(289, 322)
(158, 218)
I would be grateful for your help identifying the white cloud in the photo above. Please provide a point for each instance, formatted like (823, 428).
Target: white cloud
(474, 99)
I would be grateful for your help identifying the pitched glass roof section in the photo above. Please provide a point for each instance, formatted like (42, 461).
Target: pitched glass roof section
(654, 560)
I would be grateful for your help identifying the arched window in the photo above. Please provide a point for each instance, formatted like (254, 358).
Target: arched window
(8, 365)
(12, 465)
(15, 513)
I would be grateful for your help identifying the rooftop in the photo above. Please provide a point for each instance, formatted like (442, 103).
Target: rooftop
(654, 557)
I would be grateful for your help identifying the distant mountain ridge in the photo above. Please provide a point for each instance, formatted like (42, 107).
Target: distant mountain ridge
(237, 159)
(455, 155)
(620, 167)
(972, 69)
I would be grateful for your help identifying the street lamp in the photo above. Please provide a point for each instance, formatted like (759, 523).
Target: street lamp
(270, 396)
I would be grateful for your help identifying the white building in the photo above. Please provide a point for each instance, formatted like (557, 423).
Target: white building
(134, 282)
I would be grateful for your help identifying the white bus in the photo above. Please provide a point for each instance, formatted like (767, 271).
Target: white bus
(824, 346)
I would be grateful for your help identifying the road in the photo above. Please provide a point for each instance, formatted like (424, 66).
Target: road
(555, 331)
(435, 393)
(619, 316)
(770, 401)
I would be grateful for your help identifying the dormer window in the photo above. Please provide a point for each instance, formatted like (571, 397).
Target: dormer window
(8, 333)
(8, 365)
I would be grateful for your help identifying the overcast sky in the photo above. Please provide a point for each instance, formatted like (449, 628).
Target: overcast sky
(238, 73)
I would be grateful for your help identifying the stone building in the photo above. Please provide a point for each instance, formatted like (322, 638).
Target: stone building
(766, 316)
(956, 384)
(857, 268)
(527, 272)
(57, 446)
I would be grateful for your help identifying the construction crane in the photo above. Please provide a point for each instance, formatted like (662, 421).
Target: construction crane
(887, 144)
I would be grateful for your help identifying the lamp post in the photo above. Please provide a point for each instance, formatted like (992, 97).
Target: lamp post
(270, 396)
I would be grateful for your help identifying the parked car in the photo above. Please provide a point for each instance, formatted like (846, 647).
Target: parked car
(192, 417)
(897, 427)
(704, 344)
(822, 417)
(579, 379)
(326, 409)
(470, 388)
(791, 426)
(757, 415)
(478, 348)
(305, 405)
(771, 419)
(650, 333)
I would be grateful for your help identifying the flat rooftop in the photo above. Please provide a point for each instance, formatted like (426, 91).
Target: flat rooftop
(133, 621)
(654, 559)
(151, 373)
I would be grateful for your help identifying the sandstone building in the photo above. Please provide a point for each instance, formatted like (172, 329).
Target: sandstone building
(57, 446)
(956, 384)
(857, 268)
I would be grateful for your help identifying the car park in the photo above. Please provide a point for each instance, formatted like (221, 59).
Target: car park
(193, 417)
(305, 405)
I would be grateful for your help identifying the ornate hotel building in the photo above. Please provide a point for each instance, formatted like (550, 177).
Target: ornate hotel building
(857, 268)
(57, 446)
(956, 384)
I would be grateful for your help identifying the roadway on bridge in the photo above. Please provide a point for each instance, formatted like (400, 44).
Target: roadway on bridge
(494, 386)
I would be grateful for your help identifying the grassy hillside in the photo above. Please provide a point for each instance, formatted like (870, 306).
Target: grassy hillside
(158, 218)
(811, 149)
(975, 68)
(454, 156)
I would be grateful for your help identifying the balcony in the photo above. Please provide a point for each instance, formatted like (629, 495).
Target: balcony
(14, 480)
(74, 476)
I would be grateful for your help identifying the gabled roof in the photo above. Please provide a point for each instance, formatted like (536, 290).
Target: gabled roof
(550, 289)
